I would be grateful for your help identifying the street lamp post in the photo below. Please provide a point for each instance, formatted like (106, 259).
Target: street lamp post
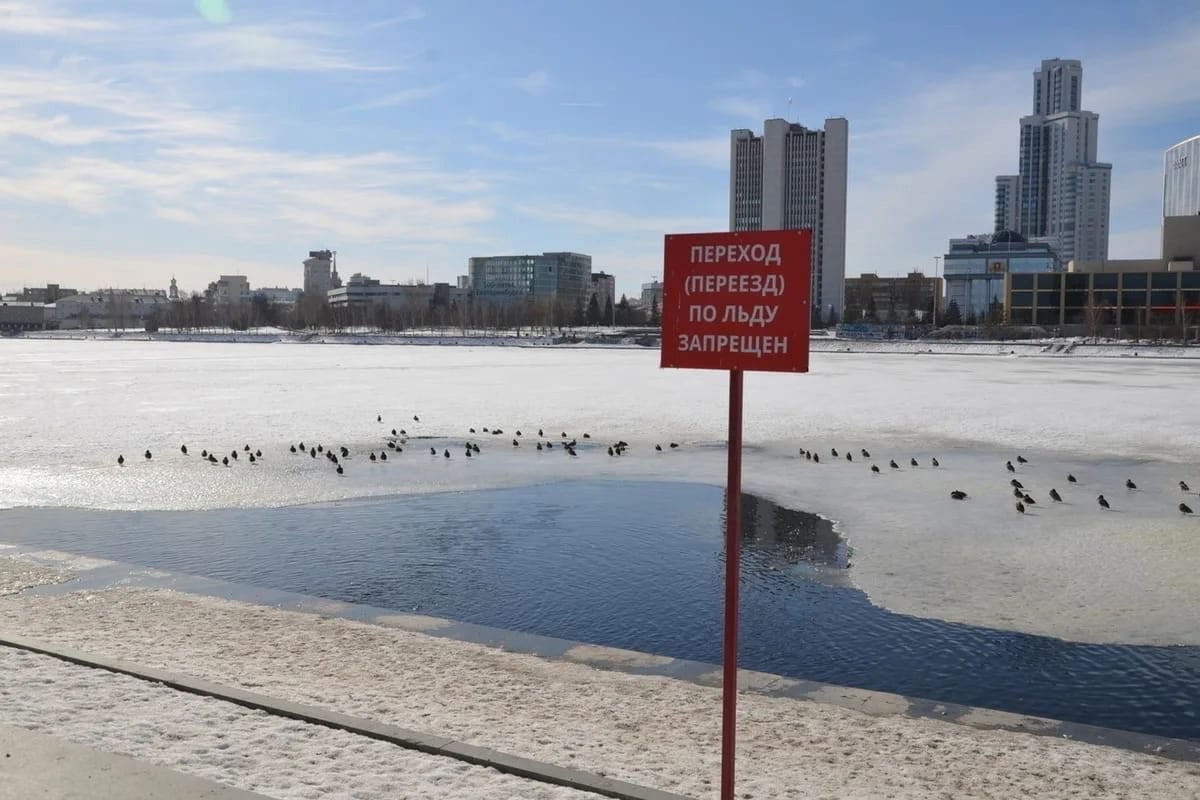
(937, 263)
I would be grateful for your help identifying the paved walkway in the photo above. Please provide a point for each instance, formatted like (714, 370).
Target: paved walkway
(34, 766)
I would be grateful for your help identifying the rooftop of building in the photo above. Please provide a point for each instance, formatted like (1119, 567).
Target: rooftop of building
(1185, 141)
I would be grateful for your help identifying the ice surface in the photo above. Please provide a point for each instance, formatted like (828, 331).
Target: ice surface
(250, 750)
(651, 730)
(67, 561)
(1129, 575)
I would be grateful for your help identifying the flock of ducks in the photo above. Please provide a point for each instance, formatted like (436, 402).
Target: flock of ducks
(395, 444)
(399, 437)
(1023, 498)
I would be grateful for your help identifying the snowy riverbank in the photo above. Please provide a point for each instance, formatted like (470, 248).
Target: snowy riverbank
(650, 730)
(606, 338)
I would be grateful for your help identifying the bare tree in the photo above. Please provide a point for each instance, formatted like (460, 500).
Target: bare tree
(1093, 316)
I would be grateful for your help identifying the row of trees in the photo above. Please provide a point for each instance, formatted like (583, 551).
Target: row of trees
(316, 314)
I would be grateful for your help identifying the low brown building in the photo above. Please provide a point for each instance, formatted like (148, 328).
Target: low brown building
(870, 298)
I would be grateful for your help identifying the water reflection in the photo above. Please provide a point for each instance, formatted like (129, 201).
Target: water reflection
(776, 536)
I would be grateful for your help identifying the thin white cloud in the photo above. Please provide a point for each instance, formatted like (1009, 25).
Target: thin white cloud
(126, 111)
(615, 221)
(535, 83)
(410, 14)
(394, 99)
(581, 105)
(797, 82)
(58, 129)
(743, 108)
(925, 173)
(711, 152)
(174, 214)
(745, 78)
(85, 268)
(297, 48)
(43, 19)
(1124, 87)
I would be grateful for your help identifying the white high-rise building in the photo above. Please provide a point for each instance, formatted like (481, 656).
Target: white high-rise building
(1062, 191)
(1181, 180)
(795, 177)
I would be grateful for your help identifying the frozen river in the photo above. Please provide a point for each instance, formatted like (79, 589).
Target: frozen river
(1075, 571)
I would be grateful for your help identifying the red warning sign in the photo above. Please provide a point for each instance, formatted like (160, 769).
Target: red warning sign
(737, 300)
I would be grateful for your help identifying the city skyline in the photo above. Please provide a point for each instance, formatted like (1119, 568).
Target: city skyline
(141, 146)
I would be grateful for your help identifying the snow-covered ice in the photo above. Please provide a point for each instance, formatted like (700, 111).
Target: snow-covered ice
(68, 408)
(651, 730)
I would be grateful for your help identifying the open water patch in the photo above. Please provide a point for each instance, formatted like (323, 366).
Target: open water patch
(639, 566)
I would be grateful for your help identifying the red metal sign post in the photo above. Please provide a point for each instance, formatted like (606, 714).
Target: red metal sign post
(736, 301)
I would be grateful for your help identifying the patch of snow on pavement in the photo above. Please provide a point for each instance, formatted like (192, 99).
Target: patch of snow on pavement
(650, 730)
(238, 747)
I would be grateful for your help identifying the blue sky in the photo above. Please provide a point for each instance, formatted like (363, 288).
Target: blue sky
(144, 139)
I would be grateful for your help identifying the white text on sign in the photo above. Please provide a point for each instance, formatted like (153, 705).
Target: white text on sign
(720, 343)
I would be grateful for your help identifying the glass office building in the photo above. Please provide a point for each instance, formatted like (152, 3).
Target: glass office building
(564, 278)
(975, 268)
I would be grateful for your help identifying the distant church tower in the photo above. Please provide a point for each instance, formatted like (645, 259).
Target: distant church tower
(173, 293)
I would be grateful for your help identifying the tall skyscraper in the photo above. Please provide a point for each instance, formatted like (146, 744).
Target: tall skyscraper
(795, 177)
(1062, 191)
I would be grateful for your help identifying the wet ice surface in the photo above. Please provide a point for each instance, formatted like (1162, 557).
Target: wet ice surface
(631, 565)
(1074, 571)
